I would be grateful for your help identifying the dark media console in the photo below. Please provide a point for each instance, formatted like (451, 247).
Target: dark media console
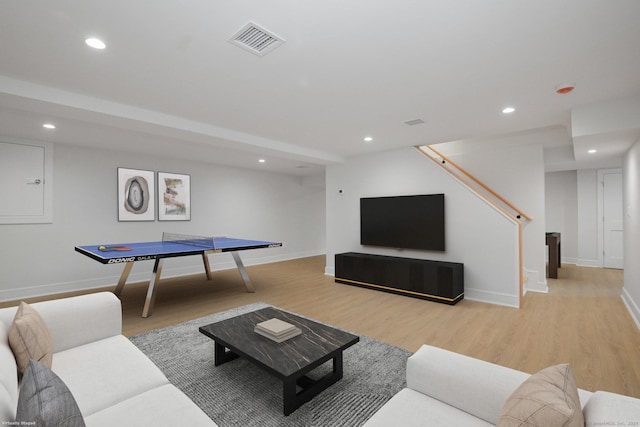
(431, 280)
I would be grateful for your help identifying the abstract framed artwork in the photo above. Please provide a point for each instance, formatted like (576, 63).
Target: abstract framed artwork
(136, 195)
(174, 197)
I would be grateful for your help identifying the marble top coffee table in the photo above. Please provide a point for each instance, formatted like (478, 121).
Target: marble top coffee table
(290, 360)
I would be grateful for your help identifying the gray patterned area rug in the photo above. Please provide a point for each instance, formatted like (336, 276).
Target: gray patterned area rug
(240, 394)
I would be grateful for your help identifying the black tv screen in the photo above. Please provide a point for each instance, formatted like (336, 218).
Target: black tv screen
(411, 222)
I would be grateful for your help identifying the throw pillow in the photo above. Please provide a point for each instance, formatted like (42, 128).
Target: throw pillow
(45, 400)
(548, 398)
(29, 338)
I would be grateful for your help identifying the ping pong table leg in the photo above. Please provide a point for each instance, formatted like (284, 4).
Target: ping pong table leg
(151, 290)
(123, 278)
(243, 272)
(205, 261)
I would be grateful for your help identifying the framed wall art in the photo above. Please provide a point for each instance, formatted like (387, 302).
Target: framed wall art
(174, 197)
(136, 195)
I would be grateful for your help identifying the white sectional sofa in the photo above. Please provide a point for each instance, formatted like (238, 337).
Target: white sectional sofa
(450, 389)
(112, 381)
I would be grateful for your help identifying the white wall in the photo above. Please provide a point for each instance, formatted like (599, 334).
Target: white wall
(38, 259)
(475, 234)
(631, 212)
(561, 211)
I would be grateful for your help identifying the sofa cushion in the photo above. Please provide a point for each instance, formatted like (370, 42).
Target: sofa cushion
(29, 338)
(106, 372)
(547, 398)
(163, 406)
(410, 408)
(606, 408)
(45, 400)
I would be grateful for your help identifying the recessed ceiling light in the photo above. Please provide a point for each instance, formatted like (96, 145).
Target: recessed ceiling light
(262, 160)
(368, 139)
(592, 151)
(508, 110)
(95, 43)
(49, 126)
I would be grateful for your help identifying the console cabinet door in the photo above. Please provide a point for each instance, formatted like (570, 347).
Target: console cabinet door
(435, 280)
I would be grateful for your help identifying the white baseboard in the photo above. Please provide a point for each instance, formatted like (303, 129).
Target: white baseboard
(633, 308)
(56, 288)
(492, 297)
(587, 263)
(535, 283)
(540, 290)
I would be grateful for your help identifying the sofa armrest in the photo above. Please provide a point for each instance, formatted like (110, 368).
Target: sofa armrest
(604, 408)
(82, 319)
(477, 387)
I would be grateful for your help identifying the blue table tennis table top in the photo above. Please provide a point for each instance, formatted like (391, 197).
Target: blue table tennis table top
(141, 251)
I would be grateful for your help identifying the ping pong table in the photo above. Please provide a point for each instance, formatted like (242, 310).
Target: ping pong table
(172, 245)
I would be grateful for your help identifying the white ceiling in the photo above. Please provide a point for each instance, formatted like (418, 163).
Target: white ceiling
(170, 82)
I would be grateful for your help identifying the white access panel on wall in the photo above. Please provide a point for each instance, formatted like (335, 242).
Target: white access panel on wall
(26, 176)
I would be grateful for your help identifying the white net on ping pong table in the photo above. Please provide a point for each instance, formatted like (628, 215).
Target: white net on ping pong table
(187, 239)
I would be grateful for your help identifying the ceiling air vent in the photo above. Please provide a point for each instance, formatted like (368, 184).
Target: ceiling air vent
(256, 39)
(414, 122)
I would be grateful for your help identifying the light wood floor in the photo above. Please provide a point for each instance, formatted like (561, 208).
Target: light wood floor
(582, 320)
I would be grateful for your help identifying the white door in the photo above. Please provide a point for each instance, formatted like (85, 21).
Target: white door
(612, 211)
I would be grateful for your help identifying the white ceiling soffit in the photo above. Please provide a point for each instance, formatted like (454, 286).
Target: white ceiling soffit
(255, 39)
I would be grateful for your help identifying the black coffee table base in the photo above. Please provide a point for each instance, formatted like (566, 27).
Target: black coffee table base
(297, 389)
(295, 361)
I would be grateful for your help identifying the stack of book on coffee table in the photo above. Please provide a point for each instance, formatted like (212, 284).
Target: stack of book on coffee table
(277, 330)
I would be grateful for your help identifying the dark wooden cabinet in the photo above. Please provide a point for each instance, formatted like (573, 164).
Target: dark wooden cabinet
(432, 280)
(553, 241)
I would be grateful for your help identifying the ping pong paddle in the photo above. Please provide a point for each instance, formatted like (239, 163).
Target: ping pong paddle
(114, 248)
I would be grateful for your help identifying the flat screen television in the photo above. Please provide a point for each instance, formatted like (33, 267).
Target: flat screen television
(411, 222)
